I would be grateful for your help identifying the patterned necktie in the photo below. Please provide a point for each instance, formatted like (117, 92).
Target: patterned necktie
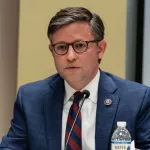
(75, 140)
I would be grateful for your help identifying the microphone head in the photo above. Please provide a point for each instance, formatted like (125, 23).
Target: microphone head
(86, 93)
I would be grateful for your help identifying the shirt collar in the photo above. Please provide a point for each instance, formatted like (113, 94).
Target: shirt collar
(92, 87)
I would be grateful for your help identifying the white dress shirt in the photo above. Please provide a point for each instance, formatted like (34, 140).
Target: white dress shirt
(88, 113)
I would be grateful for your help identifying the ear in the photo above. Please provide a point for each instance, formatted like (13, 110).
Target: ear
(51, 48)
(102, 47)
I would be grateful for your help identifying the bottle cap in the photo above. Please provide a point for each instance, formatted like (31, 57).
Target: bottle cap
(121, 124)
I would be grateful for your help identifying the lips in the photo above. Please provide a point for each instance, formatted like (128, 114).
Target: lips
(72, 67)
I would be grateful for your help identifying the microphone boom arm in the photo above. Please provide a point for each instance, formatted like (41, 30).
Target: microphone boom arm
(85, 95)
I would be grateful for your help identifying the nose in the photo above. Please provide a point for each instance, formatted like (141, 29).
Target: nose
(71, 55)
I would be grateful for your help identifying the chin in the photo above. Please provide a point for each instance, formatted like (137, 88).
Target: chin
(74, 78)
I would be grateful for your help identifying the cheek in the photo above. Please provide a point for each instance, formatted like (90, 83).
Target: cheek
(59, 64)
(91, 59)
(90, 64)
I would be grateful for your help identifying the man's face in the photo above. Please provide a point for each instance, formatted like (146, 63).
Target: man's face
(78, 69)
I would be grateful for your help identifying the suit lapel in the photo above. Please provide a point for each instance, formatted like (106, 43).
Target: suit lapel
(105, 114)
(53, 113)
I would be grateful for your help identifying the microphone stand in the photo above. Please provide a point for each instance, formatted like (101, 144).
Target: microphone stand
(80, 106)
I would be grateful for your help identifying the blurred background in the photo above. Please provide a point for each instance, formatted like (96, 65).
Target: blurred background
(24, 53)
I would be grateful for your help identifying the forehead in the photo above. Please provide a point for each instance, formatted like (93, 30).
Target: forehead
(72, 32)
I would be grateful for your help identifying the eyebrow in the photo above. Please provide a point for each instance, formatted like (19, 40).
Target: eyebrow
(63, 42)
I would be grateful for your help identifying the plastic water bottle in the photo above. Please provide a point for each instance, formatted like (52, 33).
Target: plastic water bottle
(121, 139)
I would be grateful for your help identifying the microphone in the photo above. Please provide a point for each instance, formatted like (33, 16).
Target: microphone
(85, 94)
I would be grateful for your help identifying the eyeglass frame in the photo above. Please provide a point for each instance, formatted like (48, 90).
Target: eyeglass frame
(68, 44)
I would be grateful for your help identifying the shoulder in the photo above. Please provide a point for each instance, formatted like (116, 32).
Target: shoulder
(127, 85)
(32, 95)
(131, 92)
(40, 86)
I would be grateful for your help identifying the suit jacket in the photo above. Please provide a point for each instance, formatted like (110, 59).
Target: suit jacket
(37, 121)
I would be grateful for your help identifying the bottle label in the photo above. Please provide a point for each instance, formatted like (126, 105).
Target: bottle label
(120, 145)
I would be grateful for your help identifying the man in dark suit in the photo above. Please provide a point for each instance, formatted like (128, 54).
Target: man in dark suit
(41, 109)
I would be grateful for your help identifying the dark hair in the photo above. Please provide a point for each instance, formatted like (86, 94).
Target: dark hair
(73, 14)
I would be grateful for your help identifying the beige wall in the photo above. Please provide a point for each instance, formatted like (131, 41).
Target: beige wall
(35, 61)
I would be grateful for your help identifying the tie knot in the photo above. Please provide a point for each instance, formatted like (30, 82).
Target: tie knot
(77, 96)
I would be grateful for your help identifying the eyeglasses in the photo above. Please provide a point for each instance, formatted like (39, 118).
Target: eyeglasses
(78, 46)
